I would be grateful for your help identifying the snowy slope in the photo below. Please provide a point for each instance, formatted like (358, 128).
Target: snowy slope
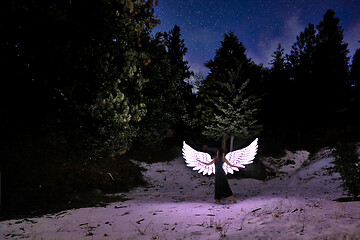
(178, 204)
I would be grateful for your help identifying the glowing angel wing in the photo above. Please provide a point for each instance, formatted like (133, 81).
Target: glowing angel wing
(196, 160)
(240, 157)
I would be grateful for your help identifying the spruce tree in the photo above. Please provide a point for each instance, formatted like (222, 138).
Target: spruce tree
(228, 107)
(119, 104)
(278, 99)
(235, 111)
(278, 78)
(176, 52)
(319, 68)
(83, 61)
(347, 164)
(301, 67)
(355, 70)
(227, 58)
(301, 71)
(278, 61)
(278, 72)
(301, 57)
(166, 95)
(180, 71)
(330, 61)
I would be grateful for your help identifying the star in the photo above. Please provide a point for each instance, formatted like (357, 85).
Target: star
(260, 25)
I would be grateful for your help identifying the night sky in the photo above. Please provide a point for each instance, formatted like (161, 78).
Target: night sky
(259, 25)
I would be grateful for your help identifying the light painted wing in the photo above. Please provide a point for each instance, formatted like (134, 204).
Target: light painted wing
(196, 159)
(240, 157)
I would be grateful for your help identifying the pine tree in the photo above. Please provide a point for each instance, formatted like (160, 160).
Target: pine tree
(234, 112)
(278, 99)
(228, 105)
(177, 51)
(227, 58)
(180, 70)
(355, 70)
(119, 104)
(166, 95)
(278, 75)
(278, 61)
(83, 61)
(301, 70)
(301, 56)
(319, 67)
(330, 61)
(347, 164)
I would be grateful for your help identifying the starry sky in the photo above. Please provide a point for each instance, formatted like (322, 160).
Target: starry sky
(259, 25)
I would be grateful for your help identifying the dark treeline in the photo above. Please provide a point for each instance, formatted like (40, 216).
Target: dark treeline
(308, 98)
(82, 81)
(85, 82)
(313, 94)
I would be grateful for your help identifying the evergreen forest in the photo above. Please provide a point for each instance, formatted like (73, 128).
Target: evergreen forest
(88, 85)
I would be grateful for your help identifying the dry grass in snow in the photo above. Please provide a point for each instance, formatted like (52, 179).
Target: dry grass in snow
(178, 204)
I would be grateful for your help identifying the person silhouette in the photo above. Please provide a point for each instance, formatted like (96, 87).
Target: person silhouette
(222, 187)
(220, 165)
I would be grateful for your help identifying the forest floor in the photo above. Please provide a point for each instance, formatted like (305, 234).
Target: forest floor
(300, 202)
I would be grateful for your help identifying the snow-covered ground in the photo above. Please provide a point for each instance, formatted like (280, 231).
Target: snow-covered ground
(178, 204)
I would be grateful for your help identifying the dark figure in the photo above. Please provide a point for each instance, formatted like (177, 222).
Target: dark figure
(234, 160)
(222, 188)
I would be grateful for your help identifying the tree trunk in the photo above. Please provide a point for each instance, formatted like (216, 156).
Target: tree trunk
(223, 143)
(231, 143)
